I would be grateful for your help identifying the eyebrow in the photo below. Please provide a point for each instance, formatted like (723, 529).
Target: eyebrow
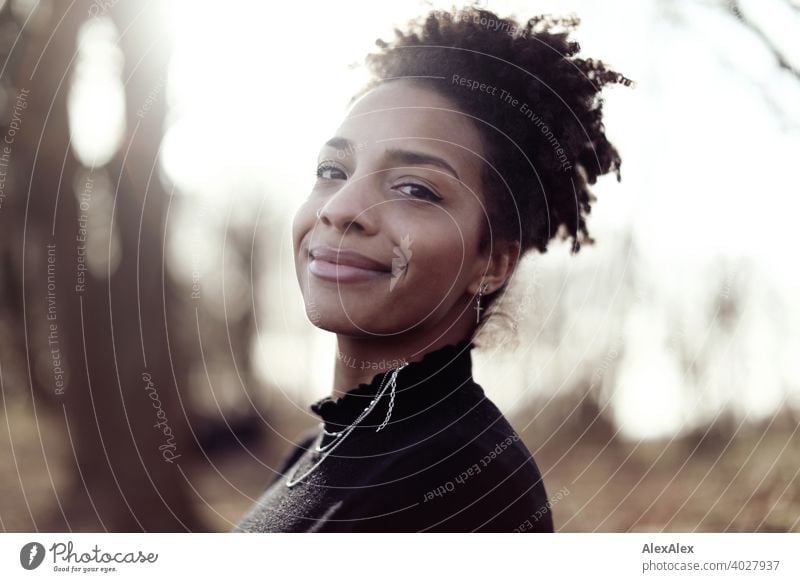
(339, 142)
(400, 156)
(410, 158)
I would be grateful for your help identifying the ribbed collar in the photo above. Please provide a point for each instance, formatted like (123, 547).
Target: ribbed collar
(420, 385)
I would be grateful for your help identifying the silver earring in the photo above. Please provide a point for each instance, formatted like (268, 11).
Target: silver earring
(478, 307)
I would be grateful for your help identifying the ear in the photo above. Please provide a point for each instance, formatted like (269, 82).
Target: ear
(494, 266)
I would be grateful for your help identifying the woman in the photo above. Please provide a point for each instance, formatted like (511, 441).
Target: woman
(475, 143)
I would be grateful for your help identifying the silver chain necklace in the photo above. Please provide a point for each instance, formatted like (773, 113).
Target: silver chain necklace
(338, 437)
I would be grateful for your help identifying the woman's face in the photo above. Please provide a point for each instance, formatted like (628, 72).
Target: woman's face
(395, 246)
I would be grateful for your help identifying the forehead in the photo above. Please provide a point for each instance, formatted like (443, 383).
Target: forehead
(402, 112)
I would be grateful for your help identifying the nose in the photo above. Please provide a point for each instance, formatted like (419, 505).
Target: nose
(353, 208)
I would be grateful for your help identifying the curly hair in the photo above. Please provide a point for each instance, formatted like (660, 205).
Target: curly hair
(536, 106)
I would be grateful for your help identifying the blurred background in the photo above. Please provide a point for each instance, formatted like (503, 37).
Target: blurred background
(155, 359)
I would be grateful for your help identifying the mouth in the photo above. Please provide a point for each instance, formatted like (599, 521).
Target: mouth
(344, 266)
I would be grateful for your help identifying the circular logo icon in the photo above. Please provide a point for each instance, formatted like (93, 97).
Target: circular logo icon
(31, 555)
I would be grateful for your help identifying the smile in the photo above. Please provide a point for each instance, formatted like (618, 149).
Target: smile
(343, 266)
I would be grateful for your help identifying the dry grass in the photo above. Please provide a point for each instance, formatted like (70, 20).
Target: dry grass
(726, 480)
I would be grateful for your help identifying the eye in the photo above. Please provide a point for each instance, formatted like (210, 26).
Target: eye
(329, 170)
(419, 191)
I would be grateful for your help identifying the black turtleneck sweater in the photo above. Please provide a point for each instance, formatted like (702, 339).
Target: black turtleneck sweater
(447, 461)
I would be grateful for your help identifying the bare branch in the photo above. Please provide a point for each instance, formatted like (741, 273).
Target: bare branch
(735, 9)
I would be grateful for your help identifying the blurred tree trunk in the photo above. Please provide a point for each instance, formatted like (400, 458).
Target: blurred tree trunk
(128, 473)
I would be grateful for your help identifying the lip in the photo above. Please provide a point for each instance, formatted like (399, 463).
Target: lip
(344, 266)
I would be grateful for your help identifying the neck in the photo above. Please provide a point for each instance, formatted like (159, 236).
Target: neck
(359, 359)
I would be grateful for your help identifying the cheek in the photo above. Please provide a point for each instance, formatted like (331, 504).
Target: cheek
(302, 227)
(302, 224)
(441, 262)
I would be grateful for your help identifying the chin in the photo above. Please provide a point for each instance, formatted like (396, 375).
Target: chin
(337, 320)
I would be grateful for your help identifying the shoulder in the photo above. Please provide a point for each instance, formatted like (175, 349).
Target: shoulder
(304, 441)
(496, 483)
(475, 475)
